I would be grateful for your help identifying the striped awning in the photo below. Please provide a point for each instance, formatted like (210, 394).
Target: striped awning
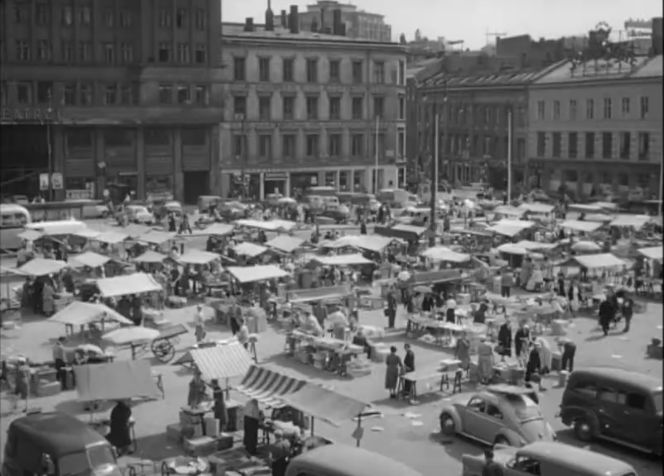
(219, 362)
(268, 386)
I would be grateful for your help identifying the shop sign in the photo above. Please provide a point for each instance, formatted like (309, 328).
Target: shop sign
(78, 194)
(29, 114)
(57, 181)
(276, 176)
(43, 181)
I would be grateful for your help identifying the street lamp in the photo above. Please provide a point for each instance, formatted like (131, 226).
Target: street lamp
(243, 150)
(49, 110)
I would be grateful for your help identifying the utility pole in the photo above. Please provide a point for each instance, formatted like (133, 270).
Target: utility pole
(243, 154)
(49, 146)
(376, 158)
(509, 155)
(434, 166)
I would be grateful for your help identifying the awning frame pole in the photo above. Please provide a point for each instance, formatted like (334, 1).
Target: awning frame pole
(359, 427)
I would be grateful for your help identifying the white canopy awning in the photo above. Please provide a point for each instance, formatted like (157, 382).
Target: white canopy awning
(587, 208)
(510, 227)
(111, 237)
(267, 225)
(156, 237)
(249, 249)
(216, 229)
(285, 243)
(42, 267)
(137, 283)
(115, 381)
(87, 233)
(536, 245)
(633, 221)
(509, 211)
(442, 253)
(418, 230)
(374, 243)
(250, 274)
(604, 260)
(199, 257)
(30, 235)
(150, 257)
(342, 260)
(80, 313)
(585, 226)
(652, 252)
(537, 207)
(89, 258)
(512, 249)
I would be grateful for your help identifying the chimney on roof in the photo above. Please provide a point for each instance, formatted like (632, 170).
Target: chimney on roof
(249, 24)
(269, 17)
(294, 20)
(336, 22)
(284, 19)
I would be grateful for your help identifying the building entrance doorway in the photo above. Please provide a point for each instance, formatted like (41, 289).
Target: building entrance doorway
(195, 184)
(23, 156)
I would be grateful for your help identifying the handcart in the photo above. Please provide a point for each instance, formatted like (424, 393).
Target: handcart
(162, 346)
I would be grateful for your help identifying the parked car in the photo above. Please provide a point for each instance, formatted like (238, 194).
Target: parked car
(548, 459)
(139, 214)
(205, 201)
(500, 414)
(172, 206)
(233, 210)
(339, 213)
(615, 405)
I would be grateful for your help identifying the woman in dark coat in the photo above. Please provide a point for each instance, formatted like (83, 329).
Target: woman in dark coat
(534, 366)
(409, 366)
(219, 409)
(505, 340)
(521, 337)
(120, 435)
(394, 366)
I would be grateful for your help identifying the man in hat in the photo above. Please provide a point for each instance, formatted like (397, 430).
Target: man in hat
(279, 454)
(569, 349)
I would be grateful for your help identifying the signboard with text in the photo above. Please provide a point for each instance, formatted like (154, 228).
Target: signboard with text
(57, 181)
(29, 114)
(43, 181)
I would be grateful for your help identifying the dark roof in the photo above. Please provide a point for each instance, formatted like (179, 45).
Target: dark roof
(644, 67)
(517, 77)
(56, 433)
(647, 382)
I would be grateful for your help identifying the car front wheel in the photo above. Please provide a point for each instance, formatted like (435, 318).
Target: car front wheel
(583, 429)
(447, 426)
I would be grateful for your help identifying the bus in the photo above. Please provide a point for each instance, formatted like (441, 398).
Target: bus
(13, 219)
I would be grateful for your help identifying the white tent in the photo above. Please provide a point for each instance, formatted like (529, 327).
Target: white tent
(80, 313)
(342, 260)
(199, 257)
(137, 283)
(442, 253)
(89, 258)
(604, 260)
(249, 249)
(653, 252)
(632, 221)
(250, 274)
(585, 226)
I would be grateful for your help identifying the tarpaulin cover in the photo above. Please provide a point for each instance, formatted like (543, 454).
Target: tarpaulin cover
(442, 253)
(587, 246)
(156, 237)
(653, 252)
(42, 267)
(80, 313)
(285, 243)
(633, 221)
(199, 257)
(216, 229)
(366, 242)
(57, 227)
(136, 283)
(112, 237)
(536, 245)
(249, 249)
(537, 207)
(268, 386)
(604, 260)
(250, 274)
(89, 258)
(297, 296)
(30, 235)
(269, 225)
(509, 211)
(115, 381)
(131, 335)
(433, 277)
(324, 404)
(221, 361)
(585, 226)
(150, 257)
(512, 249)
(342, 260)
(510, 227)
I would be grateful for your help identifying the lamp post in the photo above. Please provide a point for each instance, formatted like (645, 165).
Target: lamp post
(49, 147)
(243, 153)
(434, 164)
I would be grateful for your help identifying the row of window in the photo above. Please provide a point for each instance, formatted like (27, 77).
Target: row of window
(590, 113)
(288, 73)
(265, 112)
(83, 138)
(46, 11)
(335, 145)
(621, 179)
(110, 52)
(460, 114)
(607, 145)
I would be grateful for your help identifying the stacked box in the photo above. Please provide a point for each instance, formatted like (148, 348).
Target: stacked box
(47, 389)
(225, 441)
(68, 373)
(202, 446)
(174, 433)
(211, 426)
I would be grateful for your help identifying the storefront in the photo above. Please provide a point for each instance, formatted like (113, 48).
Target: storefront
(275, 182)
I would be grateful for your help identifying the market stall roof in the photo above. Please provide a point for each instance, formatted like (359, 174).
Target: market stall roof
(342, 260)
(216, 229)
(586, 246)
(512, 249)
(442, 253)
(112, 237)
(57, 227)
(267, 225)
(609, 206)
(324, 404)
(131, 335)
(150, 257)
(537, 207)
(297, 296)
(221, 361)
(374, 243)
(156, 237)
(89, 258)
(285, 243)
(536, 245)
(250, 274)
(633, 221)
(267, 386)
(199, 257)
(509, 211)
(417, 230)
(115, 381)
(42, 267)
(652, 252)
(510, 227)
(604, 260)
(87, 233)
(585, 226)
(80, 313)
(588, 208)
(600, 217)
(30, 235)
(251, 250)
(433, 277)
(137, 283)
(401, 231)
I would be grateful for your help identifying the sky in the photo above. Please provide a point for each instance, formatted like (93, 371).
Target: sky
(470, 20)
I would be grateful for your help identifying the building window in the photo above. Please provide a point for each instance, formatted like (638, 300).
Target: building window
(265, 146)
(625, 140)
(379, 72)
(200, 53)
(330, 179)
(358, 107)
(312, 145)
(572, 145)
(165, 18)
(193, 136)
(379, 106)
(264, 108)
(181, 18)
(402, 107)
(590, 145)
(625, 106)
(312, 107)
(264, 69)
(590, 109)
(623, 180)
(607, 145)
(43, 50)
(42, 14)
(312, 70)
(487, 115)
(128, 94)
(287, 67)
(644, 145)
(239, 65)
(541, 144)
(110, 94)
(117, 137)
(67, 16)
(401, 143)
(402, 73)
(200, 19)
(288, 145)
(157, 136)
(44, 92)
(84, 15)
(240, 105)
(344, 184)
(201, 95)
(556, 110)
(335, 75)
(378, 145)
(127, 52)
(486, 149)
(24, 93)
(84, 51)
(164, 52)
(335, 108)
(165, 94)
(22, 50)
(644, 107)
(334, 145)
(556, 144)
(572, 109)
(239, 145)
(68, 51)
(69, 95)
(541, 110)
(109, 18)
(85, 91)
(183, 53)
(79, 138)
(607, 108)
(289, 107)
(357, 145)
(183, 94)
(126, 19)
(357, 72)
(108, 50)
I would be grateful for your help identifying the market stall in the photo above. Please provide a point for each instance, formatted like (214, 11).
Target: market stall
(285, 243)
(511, 228)
(80, 314)
(267, 225)
(581, 225)
(443, 254)
(39, 267)
(222, 361)
(324, 353)
(249, 251)
(215, 229)
(89, 259)
(508, 211)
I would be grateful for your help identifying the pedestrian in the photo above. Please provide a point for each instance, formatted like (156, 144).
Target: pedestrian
(363, 228)
(391, 310)
(279, 454)
(219, 408)
(534, 366)
(394, 367)
(505, 340)
(484, 361)
(627, 310)
(22, 382)
(521, 339)
(196, 393)
(171, 222)
(60, 364)
(560, 288)
(199, 324)
(450, 313)
(252, 418)
(491, 468)
(120, 435)
(462, 351)
(243, 334)
(136, 310)
(409, 366)
(606, 315)
(506, 282)
(568, 350)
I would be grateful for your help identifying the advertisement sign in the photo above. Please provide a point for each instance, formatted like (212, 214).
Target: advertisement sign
(57, 181)
(43, 181)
